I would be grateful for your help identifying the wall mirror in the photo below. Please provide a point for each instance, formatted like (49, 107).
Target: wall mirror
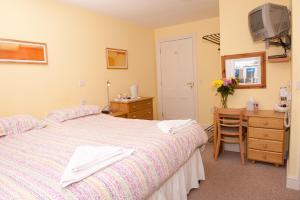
(248, 68)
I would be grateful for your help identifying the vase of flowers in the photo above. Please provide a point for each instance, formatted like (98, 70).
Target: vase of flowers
(225, 87)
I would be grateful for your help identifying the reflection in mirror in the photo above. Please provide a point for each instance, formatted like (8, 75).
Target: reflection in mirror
(246, 70)
(249, 69)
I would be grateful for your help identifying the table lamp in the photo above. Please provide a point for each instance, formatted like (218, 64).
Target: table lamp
(106, 109)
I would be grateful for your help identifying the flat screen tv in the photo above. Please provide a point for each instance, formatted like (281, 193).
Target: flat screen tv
(269, 21)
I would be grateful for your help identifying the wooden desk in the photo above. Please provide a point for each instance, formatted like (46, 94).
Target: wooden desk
(265, 137)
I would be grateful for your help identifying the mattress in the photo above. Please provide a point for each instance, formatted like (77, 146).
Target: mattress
(32, 163)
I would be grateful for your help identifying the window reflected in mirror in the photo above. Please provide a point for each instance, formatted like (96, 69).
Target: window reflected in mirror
(248, 68)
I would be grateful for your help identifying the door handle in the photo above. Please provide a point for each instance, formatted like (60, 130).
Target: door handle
(191, 84)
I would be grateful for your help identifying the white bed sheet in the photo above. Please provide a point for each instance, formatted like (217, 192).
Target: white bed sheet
(186, 178)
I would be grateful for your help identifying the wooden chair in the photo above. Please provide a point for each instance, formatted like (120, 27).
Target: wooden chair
(230, 129)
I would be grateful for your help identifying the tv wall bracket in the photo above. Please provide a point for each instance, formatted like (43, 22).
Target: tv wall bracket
(285, 42)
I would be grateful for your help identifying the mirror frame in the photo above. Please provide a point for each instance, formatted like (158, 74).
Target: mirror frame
(262, 56)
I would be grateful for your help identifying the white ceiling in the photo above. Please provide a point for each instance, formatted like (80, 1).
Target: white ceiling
(153, 13)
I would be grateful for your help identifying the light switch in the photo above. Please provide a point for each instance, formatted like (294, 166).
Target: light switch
(82, 83)
(297, 85)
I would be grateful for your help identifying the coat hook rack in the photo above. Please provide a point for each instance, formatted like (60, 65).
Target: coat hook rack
(214, 38)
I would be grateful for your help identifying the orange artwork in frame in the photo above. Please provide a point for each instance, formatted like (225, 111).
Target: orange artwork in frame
(116, 58)
(17, 51)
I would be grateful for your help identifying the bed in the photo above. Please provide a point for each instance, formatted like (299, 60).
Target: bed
(162, 166)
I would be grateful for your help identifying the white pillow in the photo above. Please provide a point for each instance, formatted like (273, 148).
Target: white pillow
(18, 124)
(73, 113)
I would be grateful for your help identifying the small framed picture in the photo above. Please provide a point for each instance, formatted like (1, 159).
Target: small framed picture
(16, 51)
(116, 58)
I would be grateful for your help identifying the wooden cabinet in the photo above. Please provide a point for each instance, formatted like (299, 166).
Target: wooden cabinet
(266, 137)
(141, 108)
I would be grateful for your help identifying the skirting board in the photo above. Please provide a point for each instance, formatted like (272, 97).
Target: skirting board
(293, 183)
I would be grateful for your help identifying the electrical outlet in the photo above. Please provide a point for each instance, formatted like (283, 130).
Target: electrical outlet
(82, 102)
(82, 83)
(297, 85)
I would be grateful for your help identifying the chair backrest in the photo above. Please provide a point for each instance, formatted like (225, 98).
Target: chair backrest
(230, 118)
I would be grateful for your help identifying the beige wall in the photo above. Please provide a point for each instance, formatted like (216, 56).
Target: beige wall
(208, 60)
(294, 166)
(76, 40)
(236, 38)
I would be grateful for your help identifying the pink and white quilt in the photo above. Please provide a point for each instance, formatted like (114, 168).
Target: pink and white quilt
(32, 163)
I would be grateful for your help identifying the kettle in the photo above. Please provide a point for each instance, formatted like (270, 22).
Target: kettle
(133, 91)
(250, 104)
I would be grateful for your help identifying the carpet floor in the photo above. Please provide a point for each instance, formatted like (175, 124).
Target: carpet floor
(227, 179)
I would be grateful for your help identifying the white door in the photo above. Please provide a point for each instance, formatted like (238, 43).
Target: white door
(178, 95)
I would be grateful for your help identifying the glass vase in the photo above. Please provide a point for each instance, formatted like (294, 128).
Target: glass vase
(224, 100)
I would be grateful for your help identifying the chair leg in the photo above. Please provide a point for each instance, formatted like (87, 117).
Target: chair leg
(242, 150)
(215, 137)
(222, 147)
(218, 147)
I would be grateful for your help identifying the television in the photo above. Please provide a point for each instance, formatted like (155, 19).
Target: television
(269, 21)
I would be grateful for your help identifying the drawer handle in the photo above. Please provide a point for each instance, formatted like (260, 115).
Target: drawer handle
(265, 146)
(266, 135)
(266, 123)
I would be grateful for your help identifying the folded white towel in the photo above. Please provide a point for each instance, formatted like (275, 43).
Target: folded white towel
(87, 160)
(89, 156)
(173, 126)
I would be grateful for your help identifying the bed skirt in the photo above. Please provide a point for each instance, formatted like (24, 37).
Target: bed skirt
(186, 178)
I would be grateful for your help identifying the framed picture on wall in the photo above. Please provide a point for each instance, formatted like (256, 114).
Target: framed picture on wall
(17, 51)
(116, 58)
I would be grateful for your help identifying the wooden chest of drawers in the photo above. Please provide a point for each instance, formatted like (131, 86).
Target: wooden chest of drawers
(266, 137)
(141, 108)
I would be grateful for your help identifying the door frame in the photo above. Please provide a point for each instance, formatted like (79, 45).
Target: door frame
(192, 36)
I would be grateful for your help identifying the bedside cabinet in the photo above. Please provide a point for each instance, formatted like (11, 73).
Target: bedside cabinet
(141, 108)
(266, 137)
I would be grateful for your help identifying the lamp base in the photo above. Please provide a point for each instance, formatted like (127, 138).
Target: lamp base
(106, 110)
